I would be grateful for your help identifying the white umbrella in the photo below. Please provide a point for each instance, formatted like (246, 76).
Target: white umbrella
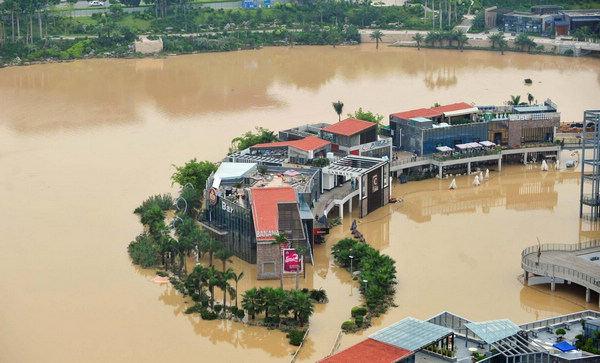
(487, 173)
(544, 165)
(476, 181)
(452, 184)
(480, 175)
(557, 166)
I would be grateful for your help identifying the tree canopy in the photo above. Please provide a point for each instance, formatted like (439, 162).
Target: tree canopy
(262, 136)
(193, 172)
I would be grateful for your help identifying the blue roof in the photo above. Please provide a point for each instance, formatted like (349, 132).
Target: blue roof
(564, 347)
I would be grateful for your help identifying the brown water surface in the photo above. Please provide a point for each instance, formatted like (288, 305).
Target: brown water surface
(83, 143)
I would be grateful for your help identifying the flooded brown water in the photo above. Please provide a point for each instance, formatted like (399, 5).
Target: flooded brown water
(83, 143)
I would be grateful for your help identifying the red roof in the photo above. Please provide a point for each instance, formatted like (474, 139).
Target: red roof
(264, 209)
(420, 112)
(309, 143)
(306, 144)
(349, 127)
(453, 107)
(369, 351)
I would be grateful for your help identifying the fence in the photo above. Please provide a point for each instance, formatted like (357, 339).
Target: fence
(560, 319)
(300, 347)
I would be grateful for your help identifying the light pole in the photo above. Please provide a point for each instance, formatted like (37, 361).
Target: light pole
(351, 260)
(366, 284)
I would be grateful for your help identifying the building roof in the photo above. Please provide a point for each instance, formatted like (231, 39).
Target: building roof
(348, 127)
(420, 112)
(456, 109)
(411, 334)
(234, 170)
(494, 330)
(368, 351)
(307, 144)
(265, 212)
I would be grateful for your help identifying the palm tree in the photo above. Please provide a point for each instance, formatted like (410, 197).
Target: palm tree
(302, 307)
(212, 278)
(418, 38)
(530, 98)
(225, 256)
(502, 43)
(224, 283)
(299, 251)
(514, 100)
(338, 107)
(377, 35)
(210, 245)
(523, 40)
(251, 302)
(461, 39)
(196, 280)
(237, 279)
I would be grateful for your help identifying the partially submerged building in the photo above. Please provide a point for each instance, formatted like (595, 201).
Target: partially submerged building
(357, 137)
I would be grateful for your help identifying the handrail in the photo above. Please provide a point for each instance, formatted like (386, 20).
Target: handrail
(336, 343)
(561, 271)
(560, 319)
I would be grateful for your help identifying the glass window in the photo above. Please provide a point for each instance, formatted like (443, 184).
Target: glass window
(269, 267)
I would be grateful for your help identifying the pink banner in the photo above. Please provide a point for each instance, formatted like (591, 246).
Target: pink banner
(291, 262)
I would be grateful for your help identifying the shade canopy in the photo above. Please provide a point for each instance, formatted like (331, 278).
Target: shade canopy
(443, 149)
(494, 330)
(291, 173)
(487, 143)
(411, 334)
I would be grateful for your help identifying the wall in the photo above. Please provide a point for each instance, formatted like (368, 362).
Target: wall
(515, 128)
(146, 46)
(267, 252)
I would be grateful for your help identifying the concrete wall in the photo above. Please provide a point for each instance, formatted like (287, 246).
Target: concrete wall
(515, 128)
(267, 252)
(146, 46)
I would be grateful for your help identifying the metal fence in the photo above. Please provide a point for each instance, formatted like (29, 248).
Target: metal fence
(590, 314)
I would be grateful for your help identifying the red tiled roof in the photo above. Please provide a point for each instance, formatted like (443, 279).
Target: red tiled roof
(420, 112)
(264, 209)
(309, 143)
(453, 107)
(306, 144)
(348, 127)
(368, 351)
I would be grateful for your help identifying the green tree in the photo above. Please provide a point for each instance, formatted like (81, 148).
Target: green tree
(224, 285)
(225, 256)
(210, 245)
(338, 107)
(367, 116)
(237, 278)
(193, 172)
(143, 251)
(530, 98)
(376, 35)
(212, 278)
(515, 101)
(302, 306)
(418, 38)
(280, 239)
(262, 136)
(461, 39)
(251, 302)
(524, 41)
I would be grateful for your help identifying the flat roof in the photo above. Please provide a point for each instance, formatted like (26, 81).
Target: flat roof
(349, 127)
(411, 334)
(420, 119)
(537, 108)
(494, 330)
(264, 209)
(368, 351)
(229, 170)
(353, 165)
(306, 144)
(419, 112)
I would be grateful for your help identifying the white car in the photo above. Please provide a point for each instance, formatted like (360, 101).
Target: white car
(96, 3)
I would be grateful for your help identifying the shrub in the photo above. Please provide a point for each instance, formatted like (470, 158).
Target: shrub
(240, 314)
(194, 309)
(348, 325)
(359, 320)
(318, 295)
(560, 331)
(143, 251)
(358, 311)
(569, 52)
(218, 308)
(164, 201)
(295, 337)
(208, 315)
(234, 310)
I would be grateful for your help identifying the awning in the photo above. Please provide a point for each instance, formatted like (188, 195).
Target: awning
(443, 149)
(464, 111)
(564, 347)
(487, 143)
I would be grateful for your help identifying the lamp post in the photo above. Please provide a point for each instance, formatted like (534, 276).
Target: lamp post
(366, 284)
(351, 260)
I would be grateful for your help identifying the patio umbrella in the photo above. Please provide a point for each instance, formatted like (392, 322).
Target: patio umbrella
(476, 181)
(557, 164)
(487, 173)
(453, 184)
(291, 173)
(544, 165)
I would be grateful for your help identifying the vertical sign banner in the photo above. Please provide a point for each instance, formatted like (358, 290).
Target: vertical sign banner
(291, 261)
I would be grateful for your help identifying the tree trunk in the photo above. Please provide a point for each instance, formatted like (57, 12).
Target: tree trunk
(441, 6)
(432, 14)
(12, 25)
(40, 24)
(376, 43)
(31, 27)
(18, 27)
(297, 277)
(449, 13)
(224, 297)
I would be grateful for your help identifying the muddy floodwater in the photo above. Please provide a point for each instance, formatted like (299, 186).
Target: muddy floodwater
(83, 143)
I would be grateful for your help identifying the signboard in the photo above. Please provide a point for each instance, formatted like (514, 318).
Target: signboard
(292, 262)
(375, 184)
(212, 196)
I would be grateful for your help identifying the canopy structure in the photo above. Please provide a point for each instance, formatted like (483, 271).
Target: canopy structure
(487, 143)
(564, 347)
(444, 149)
(291, 173)
(468, 146)
(494, 330)
(411, 334)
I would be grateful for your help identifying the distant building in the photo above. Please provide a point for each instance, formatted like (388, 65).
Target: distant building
(492, 15)
(357, 137)
(548, 20)
(295, 151)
